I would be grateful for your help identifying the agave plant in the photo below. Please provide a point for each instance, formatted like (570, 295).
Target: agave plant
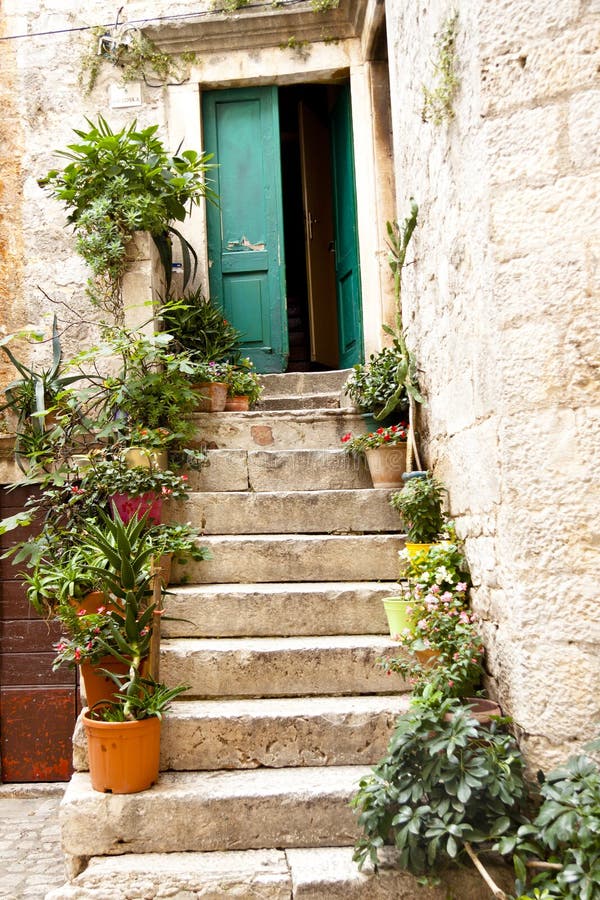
(32, 396)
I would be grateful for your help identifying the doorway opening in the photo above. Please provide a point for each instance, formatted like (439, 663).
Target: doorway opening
(305, 107)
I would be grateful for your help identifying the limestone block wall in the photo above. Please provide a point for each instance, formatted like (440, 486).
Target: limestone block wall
(40, 104)
(501, 306)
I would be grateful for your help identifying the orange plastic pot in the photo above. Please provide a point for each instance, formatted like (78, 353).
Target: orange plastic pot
(123, 756)
(96, 685)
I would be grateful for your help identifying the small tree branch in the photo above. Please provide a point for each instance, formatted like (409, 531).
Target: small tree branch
(496, 891)
(540, 864)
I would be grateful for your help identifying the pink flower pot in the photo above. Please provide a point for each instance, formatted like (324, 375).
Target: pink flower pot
(128, 507)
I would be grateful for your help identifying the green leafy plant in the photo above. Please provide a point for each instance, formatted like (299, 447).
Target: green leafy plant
(127, 627)
(151, 390)
(33, 397)
(111, 475)
(243, 381)
(439, 99)
(446, 783)
(199, 327)
(561, 846)
(382, 437)
(420, 506)
(120, 182)
(181, 540)
(388, 382)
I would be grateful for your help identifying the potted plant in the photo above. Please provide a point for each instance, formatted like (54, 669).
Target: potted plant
(199, 328)
(378, 387)
(132, 490)
(447, 784)
(124, 732)
(176, 543)
(420, 505)
(243, 386)
(210, 386)
(120, 182)
(440, 644)
(385, 451)
(35, 399)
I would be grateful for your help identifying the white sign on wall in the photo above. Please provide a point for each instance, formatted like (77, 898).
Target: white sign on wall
(123, 95)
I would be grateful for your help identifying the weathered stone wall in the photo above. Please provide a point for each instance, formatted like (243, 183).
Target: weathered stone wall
(501, 307)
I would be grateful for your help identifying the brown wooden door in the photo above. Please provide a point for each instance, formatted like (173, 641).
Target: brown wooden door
(319, 236)
(37, 708)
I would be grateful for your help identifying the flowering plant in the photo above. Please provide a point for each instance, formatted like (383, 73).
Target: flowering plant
(443, 647)
(209, 371)
(394, 434)
(87, 638)
(242, 381)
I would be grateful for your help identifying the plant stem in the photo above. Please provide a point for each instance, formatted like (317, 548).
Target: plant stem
(546, 866)
(496, 891)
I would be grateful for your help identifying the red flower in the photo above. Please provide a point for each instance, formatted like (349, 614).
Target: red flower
(77, 653)
(380, 431)
(387, 437)
(346, 437)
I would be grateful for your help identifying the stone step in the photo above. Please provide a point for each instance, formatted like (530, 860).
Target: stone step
(272, 732)
(205, 811)
(312, 873)
(280, 470)
(294, 557)
(279, 667)
(289, 512)
(300, 401)
(278, 430)
(288, 383)
(277, 609)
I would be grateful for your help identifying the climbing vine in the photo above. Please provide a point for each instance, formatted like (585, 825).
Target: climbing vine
(438, 99)
(135, 55)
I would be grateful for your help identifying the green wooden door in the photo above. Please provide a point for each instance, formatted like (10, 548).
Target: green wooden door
(245, 232)
(350, 332)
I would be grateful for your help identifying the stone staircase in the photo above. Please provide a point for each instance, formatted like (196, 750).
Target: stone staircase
(278, 636)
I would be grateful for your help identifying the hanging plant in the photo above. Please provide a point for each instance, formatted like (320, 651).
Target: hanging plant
(117, 183)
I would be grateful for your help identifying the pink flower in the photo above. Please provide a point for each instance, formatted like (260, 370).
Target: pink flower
(464, 617)
(81, 612)
(77, 654)
(89, 645)
(101, 609)
(446, 597)
(456, 656)
(435, 589)
(461, 586)
(422, 624)
(450, 683)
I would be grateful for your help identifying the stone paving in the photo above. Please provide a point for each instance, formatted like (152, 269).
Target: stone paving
(31, 861)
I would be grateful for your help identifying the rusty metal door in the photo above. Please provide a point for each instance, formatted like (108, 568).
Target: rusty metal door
(37, 708)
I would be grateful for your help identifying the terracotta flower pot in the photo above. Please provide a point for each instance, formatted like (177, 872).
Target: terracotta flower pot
(387, 465)
(123, 756)
(212, 396)
(237, 404)
(128, 507)
(480, 709)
